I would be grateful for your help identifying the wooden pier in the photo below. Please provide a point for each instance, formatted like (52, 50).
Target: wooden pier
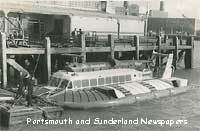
(135, 44)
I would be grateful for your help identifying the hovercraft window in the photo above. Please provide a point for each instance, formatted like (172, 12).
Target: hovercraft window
(108, 80)
(77, 84)
(121, 79)
(85, 83)
(115, 79)
(64, 84)
(54, 81)
(101, 81)
(93, 82)
(128, 77)
(70, 86)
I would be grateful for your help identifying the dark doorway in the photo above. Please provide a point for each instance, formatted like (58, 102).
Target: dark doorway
(58, 26)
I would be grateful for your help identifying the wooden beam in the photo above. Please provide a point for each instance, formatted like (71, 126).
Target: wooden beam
(137, 45)
(48, 56)
(189, 53)
(175, 43)
(192, 52)
(25, 51)
(66, 50)
(124, 48)
(167, 47)
(159, 57)
(148, 47)
(98, 49)
(5, 21)
(73, 55)
(83, 48)
(185, 47)
(3, 59)
(112, 45)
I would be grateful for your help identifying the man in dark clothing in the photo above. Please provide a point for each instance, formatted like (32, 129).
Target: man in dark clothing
(74, 32)
(29, 86)
(111, 61)
(68, 68)
(28, 82)
(20, 85)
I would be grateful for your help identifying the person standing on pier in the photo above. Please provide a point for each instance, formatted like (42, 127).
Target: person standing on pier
(111, 61)
(28, 82)
(20, 91)
(29, 86)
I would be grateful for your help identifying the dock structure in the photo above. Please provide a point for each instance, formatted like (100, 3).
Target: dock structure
(19, 114)
(136, 45)
(100, 34)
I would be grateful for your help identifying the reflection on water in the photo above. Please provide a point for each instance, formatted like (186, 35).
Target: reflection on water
(185, 106)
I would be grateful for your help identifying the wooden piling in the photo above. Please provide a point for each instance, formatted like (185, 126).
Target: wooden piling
(192, 52)
(176, 44)
(159, 51)
(5, 22)
(83, 48)
(137, 45)
(48, 56)
(112, 46)
(189, 53)
(3, 59)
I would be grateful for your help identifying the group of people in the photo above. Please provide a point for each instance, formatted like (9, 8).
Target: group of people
(76, 33)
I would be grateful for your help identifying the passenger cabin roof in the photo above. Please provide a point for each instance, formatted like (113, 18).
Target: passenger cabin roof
(54, 10)
(95, 74)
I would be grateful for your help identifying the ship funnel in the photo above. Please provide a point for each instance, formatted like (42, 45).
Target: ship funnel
(103, 6)
(126, 7)
(162, 5)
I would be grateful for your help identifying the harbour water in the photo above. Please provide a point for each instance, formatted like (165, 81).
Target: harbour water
(181, 107)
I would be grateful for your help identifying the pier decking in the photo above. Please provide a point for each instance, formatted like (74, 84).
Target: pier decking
(19, 114)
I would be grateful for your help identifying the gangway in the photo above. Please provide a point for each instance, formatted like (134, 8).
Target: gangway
(16, 66)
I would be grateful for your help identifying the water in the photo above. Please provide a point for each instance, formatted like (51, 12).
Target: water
(185, 106)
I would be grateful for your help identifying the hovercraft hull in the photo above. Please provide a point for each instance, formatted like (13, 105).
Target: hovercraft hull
(125, 100)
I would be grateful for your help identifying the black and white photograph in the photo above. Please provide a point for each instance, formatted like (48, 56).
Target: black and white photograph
(89, 65)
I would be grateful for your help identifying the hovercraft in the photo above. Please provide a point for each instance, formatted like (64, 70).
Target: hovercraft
(113, 87)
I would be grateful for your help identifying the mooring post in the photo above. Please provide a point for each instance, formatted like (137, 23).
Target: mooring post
(3, 60)
(112, 46)
(83, 48)
(5, 21)
(192, 52)
(189, 53)
(137, 46)
(48, 56)
(175, 43)
(159, 51)
(165, 39)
